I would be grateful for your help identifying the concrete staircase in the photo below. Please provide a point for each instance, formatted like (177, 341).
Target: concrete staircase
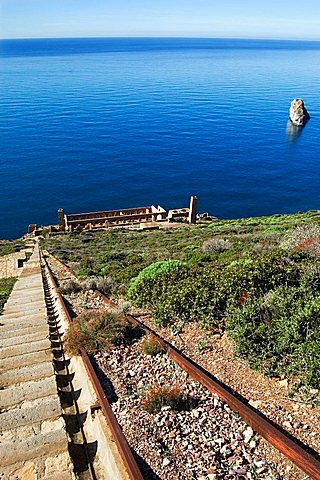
(33, 439)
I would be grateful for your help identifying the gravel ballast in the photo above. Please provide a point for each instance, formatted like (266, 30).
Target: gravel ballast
(206, 441)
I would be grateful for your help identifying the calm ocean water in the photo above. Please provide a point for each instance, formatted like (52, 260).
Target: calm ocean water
(92, 124)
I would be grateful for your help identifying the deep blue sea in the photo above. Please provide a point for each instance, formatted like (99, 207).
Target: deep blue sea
(93, 124)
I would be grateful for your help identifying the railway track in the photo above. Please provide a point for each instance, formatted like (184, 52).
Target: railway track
(99, 447)
(301, 455)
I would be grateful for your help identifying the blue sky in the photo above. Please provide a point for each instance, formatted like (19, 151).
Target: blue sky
(290, 19)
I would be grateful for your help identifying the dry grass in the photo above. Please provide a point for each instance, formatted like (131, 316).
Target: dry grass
(95, 330)
(158, 397)
(216, 245)
(70, 287)
(152, 346)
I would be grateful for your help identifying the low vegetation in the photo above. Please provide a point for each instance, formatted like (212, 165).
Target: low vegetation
(152, 346)
(258, 279)
(105, 285)
(70, 287)
(158, 397)
(94, 331)
(6, 286)
(143, 288)
(10, 246)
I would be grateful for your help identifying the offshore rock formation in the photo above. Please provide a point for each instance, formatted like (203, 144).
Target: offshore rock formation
(298, 113)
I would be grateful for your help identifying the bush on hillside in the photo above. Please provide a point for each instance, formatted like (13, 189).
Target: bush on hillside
(70, 287)
(151, 281)
(269, 268)
(299, 235)
(94, 331)
(105, 285)
(206, 296)
(310, 276)
(216, 245)
(279, 332)
(152, 346)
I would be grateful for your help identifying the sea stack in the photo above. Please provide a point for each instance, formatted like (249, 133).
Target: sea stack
(298, 112)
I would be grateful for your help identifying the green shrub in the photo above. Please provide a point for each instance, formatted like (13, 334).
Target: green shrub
(240, 262)
(175, 303)
(86, 267)
(307, 359)
(10, 246)
(273, 230)
(143, 288)
(310, 276)
(279, 332)
(206, 295)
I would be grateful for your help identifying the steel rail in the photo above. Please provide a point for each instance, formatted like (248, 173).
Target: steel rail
(118, 435)
(300, 454)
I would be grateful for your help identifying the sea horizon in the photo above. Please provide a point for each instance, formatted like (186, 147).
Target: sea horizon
(166, 37)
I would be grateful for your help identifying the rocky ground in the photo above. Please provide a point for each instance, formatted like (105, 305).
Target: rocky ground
(270, 396)
(208, 441)
(204, 441)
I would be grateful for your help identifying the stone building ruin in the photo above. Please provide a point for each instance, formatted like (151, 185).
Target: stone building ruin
(125, 217)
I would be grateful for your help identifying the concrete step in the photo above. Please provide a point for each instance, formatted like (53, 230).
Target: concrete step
(15, 333)
(31, 283)
(27, 359)
(33, 291)
(24, 348)
(26, 374)
(21, 450)
(38, 428)
(35, 411)
(31, 308)
(21, 297)
(7, 324)
(23, 336)
(29, 266)
(24, 301)
(20, 315)
(16, 394)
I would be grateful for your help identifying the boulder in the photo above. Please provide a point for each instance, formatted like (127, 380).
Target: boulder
(298, 112)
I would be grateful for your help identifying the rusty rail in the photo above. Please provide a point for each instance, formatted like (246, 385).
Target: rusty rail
(120, 440)
(291, 447)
